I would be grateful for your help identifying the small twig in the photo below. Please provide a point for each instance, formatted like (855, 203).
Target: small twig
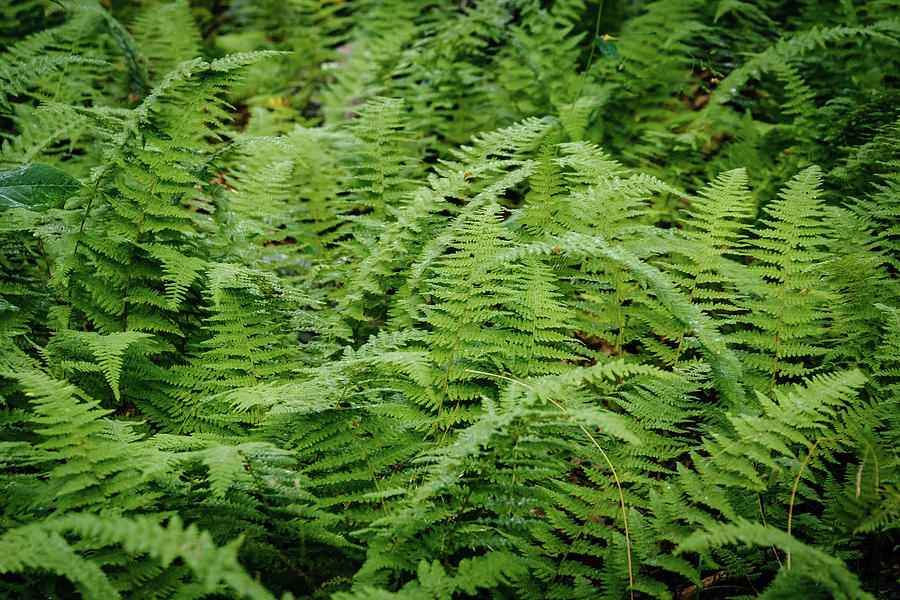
(691, 591)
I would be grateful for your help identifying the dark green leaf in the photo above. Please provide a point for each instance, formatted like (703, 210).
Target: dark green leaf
(608, 48)
(36, 187)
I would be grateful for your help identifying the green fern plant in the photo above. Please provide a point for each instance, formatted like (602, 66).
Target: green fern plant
(42, 546)
(317, 299)
(788, 304)
(701, 266)
(162, 50)
(249, 345)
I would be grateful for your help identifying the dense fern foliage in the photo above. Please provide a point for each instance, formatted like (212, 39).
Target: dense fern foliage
(455, 299)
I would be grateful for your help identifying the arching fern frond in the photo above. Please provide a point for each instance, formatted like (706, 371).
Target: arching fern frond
(212, 566)
(810, 568)
(88, 470)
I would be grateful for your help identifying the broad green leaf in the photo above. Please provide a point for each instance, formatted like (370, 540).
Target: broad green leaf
(608, 48)
(35, 186)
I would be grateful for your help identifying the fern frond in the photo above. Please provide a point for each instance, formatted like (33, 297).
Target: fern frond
(809, 564)
(795, 422)
(784, 309)
(775, 57)
(716, 217)
(212, 566)
(163, 46)
(121, 235)
(44, 53)
(108, 351)
(496, 148)
(89, 470)
(725, 365)
(248, 344)
(30, 548)
(383, 164)
(461, 317)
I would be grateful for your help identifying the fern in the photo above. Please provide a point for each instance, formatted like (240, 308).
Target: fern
(164, 51)
(212, 566)
(47, 131)
(244, 349)
(763, 439)
(29, 60)
(89, 471)
(788, 303)
(462, 317)
(381, 168)
(118, 247)
(538, 322)
(810, 564)
(107, 353)
(700, 267)
(385, 299)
